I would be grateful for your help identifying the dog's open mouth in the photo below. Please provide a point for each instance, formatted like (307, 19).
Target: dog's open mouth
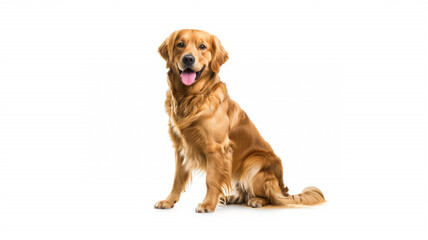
(188, 76)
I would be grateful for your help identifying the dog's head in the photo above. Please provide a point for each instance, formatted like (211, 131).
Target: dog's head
(193, 54)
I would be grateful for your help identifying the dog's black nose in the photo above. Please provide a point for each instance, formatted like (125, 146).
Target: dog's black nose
(188, 60)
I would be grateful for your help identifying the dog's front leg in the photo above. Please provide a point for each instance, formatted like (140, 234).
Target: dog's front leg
(180, 179)
(218, 173)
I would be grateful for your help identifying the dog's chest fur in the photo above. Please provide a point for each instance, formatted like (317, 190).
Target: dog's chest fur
(188, 121)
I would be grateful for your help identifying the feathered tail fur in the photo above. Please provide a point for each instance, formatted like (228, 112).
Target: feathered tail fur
(309, 196)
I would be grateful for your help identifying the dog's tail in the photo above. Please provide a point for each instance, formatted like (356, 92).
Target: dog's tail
(309, 196)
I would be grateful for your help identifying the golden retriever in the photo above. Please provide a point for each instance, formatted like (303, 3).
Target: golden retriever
(210, 132)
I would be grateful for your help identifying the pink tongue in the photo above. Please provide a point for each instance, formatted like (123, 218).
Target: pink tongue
(188, 78)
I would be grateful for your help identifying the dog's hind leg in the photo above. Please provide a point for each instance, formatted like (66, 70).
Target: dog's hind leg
(258, 184)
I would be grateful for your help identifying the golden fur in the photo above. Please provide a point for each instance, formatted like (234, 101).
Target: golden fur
(210, 132)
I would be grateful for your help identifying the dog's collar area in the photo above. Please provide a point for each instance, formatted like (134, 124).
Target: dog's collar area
(198, 74)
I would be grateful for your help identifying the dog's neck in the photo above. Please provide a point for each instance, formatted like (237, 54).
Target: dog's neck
(201, 86)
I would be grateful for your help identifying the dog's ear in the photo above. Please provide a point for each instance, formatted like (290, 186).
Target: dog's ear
(219, 55)
(165, 49)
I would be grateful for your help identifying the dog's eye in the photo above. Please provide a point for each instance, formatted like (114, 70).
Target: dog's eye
(202, 46)
(180, 44)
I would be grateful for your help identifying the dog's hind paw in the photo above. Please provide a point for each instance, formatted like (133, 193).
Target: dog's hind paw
(257, 202)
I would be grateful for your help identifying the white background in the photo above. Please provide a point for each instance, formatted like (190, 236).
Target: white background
(338, 88)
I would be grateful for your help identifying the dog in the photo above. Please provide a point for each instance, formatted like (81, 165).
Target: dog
(210, 132)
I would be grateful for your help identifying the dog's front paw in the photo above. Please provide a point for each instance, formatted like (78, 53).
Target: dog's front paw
(165, 204)
(205, 208)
